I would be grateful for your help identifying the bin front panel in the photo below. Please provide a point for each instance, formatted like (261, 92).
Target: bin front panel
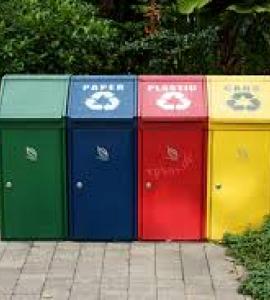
(102, 97)
(172, 184)
(102, 188)
(172, 97)
(239, 99)
(240, 181)
(32, 187)
(35, 97)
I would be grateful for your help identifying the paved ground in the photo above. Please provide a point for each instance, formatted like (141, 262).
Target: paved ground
(99, 271)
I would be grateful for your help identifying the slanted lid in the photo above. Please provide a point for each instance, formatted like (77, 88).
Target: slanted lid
(33, 96)
(172, 98)
(102, 97)
(239, 99)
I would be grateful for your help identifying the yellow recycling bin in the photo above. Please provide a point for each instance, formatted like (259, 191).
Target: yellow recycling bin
(239, 153)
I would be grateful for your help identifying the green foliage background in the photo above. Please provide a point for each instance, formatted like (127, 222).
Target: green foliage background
(103, 37)
(55, 36)
(252, 250)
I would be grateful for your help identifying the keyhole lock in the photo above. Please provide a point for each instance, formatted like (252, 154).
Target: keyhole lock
(218, 186)
(8, 184)
(148, 185)
(79, 185)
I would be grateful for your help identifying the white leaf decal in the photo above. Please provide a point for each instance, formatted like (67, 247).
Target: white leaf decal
(31, 154)
(172, 153)
(102, 154)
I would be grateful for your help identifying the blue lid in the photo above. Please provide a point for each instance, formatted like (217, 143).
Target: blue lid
(103, 97)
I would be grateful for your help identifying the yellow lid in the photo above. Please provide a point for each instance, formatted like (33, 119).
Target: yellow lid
(239, 99)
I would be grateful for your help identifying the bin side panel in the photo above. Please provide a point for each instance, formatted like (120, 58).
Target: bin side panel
(103, 204)
(172, 187)
(32, 184)
(240, 179)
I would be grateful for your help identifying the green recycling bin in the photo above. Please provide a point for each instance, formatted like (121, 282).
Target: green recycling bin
(33, 159)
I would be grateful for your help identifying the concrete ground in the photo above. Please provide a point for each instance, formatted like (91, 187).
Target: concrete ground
(135, 271)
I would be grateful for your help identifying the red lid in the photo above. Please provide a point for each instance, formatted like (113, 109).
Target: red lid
(172, 98)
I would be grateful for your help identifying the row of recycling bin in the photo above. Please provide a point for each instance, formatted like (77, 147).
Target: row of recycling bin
(125, 157)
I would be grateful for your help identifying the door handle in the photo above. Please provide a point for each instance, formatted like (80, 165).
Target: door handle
(218, 186)
(148, 185)
(8, 185)
(79, 185)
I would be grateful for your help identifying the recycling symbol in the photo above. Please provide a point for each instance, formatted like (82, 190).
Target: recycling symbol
(173, 101)
(244, 101)
(102, 100)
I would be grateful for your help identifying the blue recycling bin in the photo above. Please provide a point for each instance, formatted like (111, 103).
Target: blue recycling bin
(102, 156)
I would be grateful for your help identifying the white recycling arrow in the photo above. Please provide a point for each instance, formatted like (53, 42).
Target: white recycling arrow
(92, 102)
(163, 101)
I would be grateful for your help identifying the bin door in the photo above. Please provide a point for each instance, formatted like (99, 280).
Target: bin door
(240, 180)
(32, 184)
(172, 184)
(102, 184)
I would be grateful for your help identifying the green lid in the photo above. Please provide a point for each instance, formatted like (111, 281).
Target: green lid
(33, 96)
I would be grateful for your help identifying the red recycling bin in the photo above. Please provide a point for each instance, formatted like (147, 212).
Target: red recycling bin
(172, 157)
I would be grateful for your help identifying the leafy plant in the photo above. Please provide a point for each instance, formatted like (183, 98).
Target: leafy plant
(189, 6)
(54, 36)
(250, 6)
(252, 249)
(141, 36)
(167, 52)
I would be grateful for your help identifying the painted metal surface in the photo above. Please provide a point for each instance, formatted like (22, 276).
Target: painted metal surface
(102, 184)
(239, 147)
(102, 154)
(240, 194)
(172, 157)
(172, 98)
(239, 99)
(33, 97)
(33, 187)
(103, 97)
